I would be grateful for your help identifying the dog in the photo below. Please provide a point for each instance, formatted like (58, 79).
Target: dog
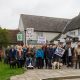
(56, 65)
(13, 63)
(60, 65)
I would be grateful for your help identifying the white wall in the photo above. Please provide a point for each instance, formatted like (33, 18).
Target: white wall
(21, 27)
(76, 32)
(49, 36)
(75, 35)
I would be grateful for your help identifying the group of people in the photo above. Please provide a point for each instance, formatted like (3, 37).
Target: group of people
(42, 56)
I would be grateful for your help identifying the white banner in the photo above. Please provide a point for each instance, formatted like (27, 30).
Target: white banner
(41, 40)
(29, 32)
(59, 52)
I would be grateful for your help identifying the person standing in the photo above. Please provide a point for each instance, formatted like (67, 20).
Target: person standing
(24, 53)
(69, 54)
(77, 55)
(6, 57)
(58, 54)
(12, 54)
(20, 57)
(39, 57)
(44, 48)
(30, 56)
(50, 55)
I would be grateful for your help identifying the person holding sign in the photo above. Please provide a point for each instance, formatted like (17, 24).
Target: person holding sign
(57, 63)
(59, 53)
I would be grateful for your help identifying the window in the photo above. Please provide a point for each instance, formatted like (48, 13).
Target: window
(72, 33)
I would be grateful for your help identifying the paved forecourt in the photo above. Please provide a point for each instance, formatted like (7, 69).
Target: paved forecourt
(37, 74)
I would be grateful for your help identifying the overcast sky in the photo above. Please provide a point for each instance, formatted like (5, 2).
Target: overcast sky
(10, 10)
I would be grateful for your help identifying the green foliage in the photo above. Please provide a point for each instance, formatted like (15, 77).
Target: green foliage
(4, 39)
(6, 72)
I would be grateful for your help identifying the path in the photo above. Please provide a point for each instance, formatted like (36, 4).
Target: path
(37, 74)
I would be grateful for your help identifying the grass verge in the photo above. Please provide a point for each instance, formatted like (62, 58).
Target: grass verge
(6, 72)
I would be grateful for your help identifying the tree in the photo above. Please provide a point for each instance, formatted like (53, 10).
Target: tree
(4, 39)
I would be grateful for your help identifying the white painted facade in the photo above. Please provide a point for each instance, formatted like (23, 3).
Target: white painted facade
(49, 35)
(74, 33)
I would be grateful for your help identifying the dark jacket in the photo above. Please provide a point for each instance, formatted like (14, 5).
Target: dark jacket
(66, 53)
(7, 52)
(30, 53)
(12, 54)
(50, 53)
(24, 52)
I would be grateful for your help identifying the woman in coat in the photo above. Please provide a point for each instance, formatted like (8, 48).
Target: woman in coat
(39, 57)
(77, 55)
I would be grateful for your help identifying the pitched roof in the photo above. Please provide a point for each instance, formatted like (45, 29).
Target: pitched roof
(74, 24)
(44, 24)
(13, 36)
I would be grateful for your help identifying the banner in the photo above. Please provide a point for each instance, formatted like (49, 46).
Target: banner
(59, 52)
(19, 37)
(41, 40)
(29, 32)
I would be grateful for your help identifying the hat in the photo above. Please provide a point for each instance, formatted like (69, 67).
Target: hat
(68, 42)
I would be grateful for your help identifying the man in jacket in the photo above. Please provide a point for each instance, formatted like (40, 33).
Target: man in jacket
(12, 53)
(69, 54)
(50, 55)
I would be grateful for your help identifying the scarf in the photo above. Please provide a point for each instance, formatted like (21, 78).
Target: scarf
(20, 52)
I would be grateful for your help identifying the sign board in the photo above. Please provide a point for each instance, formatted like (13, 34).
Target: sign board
(59, 52)
(19, 37)
(29, 33)
(41, 40)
